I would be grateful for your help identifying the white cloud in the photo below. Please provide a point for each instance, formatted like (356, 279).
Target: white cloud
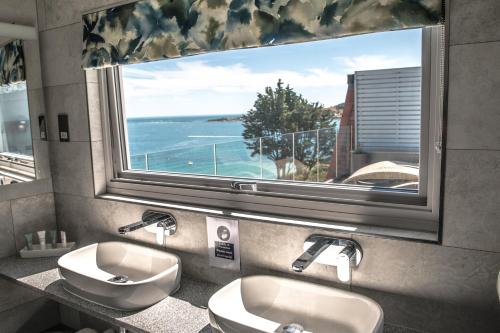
(191, 77)
(372, 62)
(202, 88)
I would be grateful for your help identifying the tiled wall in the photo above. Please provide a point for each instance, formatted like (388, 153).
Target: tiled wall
(27, 207)
(449, 288)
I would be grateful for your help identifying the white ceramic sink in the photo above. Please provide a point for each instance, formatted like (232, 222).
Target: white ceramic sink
(120, 275)
(270, 304)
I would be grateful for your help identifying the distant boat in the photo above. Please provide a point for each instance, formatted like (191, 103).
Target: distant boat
(190, 163)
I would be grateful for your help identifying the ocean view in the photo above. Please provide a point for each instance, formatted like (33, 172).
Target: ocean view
(194, 144)
(183, 115)
(186, 144)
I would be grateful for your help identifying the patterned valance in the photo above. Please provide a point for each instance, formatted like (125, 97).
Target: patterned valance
(158, 29)
(12, 68)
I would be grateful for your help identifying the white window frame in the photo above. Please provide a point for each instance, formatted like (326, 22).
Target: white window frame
(401, 213)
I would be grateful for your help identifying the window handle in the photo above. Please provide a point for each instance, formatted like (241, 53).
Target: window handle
(244, 186)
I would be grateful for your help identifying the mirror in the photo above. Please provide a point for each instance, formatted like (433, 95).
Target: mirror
(23, 150)
(16, 145)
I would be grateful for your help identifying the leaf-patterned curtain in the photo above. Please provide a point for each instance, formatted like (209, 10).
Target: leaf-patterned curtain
(160, 29)
(12, 68)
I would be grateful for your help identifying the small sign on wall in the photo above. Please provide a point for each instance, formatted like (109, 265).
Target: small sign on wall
(223, 243)
(63, 123)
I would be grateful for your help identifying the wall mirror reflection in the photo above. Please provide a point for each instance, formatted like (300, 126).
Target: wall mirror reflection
(17, 147)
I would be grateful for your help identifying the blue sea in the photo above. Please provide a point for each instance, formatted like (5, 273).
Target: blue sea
(199, 146)
(186, 144)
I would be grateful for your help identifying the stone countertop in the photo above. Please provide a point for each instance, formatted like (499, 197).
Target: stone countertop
(183, 312)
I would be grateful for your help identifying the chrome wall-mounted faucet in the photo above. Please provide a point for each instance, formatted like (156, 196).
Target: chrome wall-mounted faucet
(162, 220)
(341, 252)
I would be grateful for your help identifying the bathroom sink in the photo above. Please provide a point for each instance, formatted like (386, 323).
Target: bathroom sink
(120, 275)
(272, 304)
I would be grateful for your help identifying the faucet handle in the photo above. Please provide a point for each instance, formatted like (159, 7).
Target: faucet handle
(349, 252)
(344, 259)
(169, 225)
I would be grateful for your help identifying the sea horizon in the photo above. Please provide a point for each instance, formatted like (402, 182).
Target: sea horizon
(194, 144)
(186, 116)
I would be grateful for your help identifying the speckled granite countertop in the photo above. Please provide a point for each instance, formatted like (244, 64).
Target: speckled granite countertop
(183, 312)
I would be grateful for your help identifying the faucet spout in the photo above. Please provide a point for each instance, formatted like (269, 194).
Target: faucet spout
(161, 219)
(310, 254)
(131, 227)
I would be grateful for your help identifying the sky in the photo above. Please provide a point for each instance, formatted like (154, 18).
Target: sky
(227, 83)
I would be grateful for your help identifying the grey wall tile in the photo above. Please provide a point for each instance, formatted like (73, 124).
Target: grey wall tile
(71, 167)
(7, 244)
(36, 108)
(459, 276)
(71, 100)
(72, 213)
(33, 66)
(474, 21)
(473, 115)
(63, 12)
(22, 190)
(40, 8)
(427, 315)
(428, 271)
(60, 13)
(471, 201)
(94, 110)
(18, 12)
(40, 148)
(33, 214)
(389, 265)
(42, 163)
(61, 50)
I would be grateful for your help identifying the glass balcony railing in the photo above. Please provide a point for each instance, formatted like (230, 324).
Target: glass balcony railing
(301, 156)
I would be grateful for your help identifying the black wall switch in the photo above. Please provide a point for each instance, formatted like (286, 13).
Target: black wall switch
(42, 125)
(63, 123)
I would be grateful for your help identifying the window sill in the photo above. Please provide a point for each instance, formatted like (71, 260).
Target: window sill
(279, 219)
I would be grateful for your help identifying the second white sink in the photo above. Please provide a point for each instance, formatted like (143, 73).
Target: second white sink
(258, 304)
(120, 275)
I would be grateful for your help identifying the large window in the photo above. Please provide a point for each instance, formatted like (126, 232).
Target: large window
(343, 126)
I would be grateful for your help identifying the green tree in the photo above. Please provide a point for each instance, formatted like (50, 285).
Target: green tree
(276, 114)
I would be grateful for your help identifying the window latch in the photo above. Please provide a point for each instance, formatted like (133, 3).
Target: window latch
(244, 186)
